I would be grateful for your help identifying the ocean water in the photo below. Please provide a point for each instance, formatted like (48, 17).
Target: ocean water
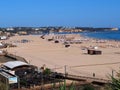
(109, 35)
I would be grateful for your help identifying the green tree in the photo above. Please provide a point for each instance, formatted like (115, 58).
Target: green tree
(62, 87)
(72, 86)
(115, 84)
(47, 71)
(88, 87)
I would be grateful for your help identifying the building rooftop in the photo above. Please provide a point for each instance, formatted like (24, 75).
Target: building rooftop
(6, 74)
(14, 64)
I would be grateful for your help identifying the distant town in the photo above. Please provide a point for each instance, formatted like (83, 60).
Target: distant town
(50, 29)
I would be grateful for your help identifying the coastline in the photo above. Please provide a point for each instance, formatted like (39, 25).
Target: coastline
(104, 35)
(55, 56)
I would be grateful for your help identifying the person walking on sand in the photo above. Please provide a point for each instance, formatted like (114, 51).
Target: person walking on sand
(93, 74)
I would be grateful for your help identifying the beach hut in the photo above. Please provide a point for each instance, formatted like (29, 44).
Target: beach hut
(56, 41)
(94, 52)
(2, 53)
(3, 37)
(50, 39)
(67, 45)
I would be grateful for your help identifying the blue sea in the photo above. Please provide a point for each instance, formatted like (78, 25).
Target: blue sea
(109, 35)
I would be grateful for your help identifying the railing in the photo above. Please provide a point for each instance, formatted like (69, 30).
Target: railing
(85, 78)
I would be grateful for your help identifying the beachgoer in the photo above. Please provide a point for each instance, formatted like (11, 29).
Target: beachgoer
(93, 74)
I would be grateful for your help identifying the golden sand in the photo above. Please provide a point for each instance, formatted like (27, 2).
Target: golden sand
(55, 56)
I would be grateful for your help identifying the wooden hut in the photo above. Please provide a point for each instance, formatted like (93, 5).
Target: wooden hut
(56, 41)
(94, 52)
(67, 45)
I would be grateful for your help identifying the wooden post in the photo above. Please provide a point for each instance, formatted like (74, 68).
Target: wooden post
(18, 82)
(7, 84)
(65, 78)
(112, 73)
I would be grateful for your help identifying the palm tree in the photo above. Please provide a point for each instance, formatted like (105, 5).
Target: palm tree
(115, 84)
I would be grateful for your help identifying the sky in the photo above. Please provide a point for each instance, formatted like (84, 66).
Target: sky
(69, 13)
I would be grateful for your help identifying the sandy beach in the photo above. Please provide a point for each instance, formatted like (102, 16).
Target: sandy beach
(55, 56)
